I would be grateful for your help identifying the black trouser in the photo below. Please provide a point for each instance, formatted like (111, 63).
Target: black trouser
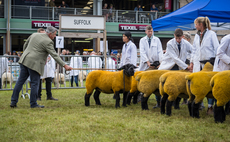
(48, 87)
(0, 82)
(175, 67)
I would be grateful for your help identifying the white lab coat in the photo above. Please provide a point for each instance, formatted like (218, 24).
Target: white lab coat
(4, 65)
(152, 53)
(49, 68)
(75, 62)
(173, 57)
(110, 64)
(222, 61)
(205, 50)
(129, 54)
(94, 62)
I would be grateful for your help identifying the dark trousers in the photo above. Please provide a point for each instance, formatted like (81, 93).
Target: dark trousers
(175, 67)
(75, 79)
(0, 82)
(34, 79)
(48, 87)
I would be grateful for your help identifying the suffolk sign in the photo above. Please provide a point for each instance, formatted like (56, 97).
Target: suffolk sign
(82, 22)
(45, 24)
(131, 27)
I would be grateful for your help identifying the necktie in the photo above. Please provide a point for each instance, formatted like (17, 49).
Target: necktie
(179, 47)
(149, 42)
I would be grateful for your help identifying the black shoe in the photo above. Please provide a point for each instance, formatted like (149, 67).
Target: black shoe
(37, 106)
(39, 99)
(13, 105)
(51, 98)
(157, 106)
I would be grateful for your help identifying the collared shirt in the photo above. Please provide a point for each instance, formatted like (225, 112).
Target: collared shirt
(201, 35)
(149, 39)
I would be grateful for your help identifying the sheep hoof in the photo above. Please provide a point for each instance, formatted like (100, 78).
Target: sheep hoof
(124, 105)
(219, 114)
(190, 108)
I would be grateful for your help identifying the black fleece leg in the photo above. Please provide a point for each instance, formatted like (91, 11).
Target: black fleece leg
(190, 108)
(195, 110)
(219, 114)
(163, 101)
(177, 103)
(124, 99)
(169, 107)
(144, 103)
(117, 95)
(87, 97)
(129, 98)
(135, 96)
(227, 108)
(96, 97)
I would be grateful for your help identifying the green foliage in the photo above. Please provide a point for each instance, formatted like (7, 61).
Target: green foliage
(70, 120)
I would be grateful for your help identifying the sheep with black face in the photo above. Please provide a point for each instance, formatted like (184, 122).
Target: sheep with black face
(109, 82)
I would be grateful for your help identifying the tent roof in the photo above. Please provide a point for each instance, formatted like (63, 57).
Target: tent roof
(216, 10)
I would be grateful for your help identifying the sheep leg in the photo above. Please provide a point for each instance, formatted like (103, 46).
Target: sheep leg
(87, 97)
(163, 101)
(96, 97)
(177, 103)
(144, 103)
(117, 95)
(195, 111)
(129, 98)
(219, 114)
(227, 108)
(169, 107)
(124, 99)
(135, 97)
(190, 105)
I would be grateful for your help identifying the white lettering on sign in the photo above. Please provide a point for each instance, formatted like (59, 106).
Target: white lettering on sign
(82, 22)
(129, 28)
(42, 24)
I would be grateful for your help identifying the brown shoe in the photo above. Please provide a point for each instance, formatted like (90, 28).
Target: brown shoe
(210, 111)
(51, 98)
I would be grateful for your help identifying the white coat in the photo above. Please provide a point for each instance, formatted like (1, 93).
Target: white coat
(4, 65)
(75, 62)
(205, 50)
(222, 61)
(152, 53)
(49, 68)
(173, 57)
(94, 62)
(129, 54)
(110, 64)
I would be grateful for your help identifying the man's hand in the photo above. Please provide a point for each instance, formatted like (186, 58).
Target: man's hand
(68, 68)
(191, 67)
(148, 63)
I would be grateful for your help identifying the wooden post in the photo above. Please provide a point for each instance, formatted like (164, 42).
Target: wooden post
(59, 50)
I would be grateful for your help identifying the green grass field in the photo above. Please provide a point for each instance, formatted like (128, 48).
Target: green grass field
(70, 120)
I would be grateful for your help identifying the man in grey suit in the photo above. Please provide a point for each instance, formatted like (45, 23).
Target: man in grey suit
(32, 62)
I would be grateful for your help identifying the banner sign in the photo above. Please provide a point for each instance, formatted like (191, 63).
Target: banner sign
(82, 22)
(168, 4)
(30, 2)
(44, 24)
(131, 27)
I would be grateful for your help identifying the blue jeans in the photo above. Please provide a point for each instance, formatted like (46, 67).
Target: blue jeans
(75, 79)
(34, 77)
(158, 98)
(211, 101)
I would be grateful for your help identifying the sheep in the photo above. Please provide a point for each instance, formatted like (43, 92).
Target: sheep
(148, 83)
(61, 79)
(109, 82)
(82, 76)
(7, 78)
(198, 87)
(172, 85)
(133, 91)
(220, 89)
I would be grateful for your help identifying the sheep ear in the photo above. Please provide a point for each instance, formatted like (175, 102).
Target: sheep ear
(121, 68)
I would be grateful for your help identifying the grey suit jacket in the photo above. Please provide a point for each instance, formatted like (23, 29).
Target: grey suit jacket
(35, 51)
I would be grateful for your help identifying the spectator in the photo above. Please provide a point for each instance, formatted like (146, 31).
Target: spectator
(19, 55)
(75, 62)
(111, 11)
(85, 58)
(138, 8)
(41, 30)
(153, 10)
(67, 53)
(10, 59)
(94, 62)
(114, 57)
(63, 6)
(118, 57)
(14, 58)
(105, 11)
(52, 3)
(110, 64)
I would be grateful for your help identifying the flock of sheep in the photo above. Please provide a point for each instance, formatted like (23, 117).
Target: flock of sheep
(169, 84)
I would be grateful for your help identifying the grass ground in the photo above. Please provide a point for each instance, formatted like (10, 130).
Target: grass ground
(69, 120)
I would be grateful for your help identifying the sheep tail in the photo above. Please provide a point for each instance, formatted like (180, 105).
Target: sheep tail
(188, 77)
(138, 77)
(163, 78)
(212, 82)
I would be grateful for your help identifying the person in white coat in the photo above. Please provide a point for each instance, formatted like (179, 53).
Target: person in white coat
(75, 62)
(129, 50)
(49, 70)
(176, 53)
(110, 64)
(150, 50)
(3, 68)
(94, 62)
(205, 45)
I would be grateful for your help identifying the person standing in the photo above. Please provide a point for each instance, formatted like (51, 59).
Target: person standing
(75, 62)
(205, 45)
(129, 50)
(35, 52)
(150, 52)
(94, 62)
